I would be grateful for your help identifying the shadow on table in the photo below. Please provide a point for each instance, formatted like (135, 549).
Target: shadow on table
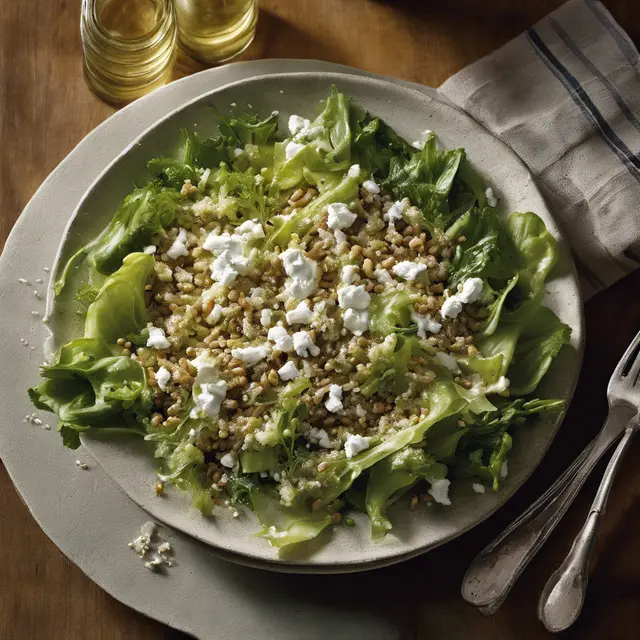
(275, 38)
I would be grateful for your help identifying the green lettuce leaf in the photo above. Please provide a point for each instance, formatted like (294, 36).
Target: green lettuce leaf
(540, 341)
(119, 308)
(284, 526)
(389, 366)
(305, 218)
(393, 476)
(375, 143)
(426, 178)
(390, 312)
(144, 213)
(89, 385)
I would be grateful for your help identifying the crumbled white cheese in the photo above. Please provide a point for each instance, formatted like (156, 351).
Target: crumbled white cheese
(304, 345)
(408, 270)
(237, 152)
(217, 243)
(426, 323)
(504, 470)
(353, 297)
(371, 186)
(179, 246)
(288, 371)
(451, 307)
(440, 491)
(292, 149)
(300, 315)
(227, 267)
(339, 216)
(354, 171)
(251, 230)
(228, 460)
(340, 236)
(492, 201)
(334, 402)
(150, 250)
(209, 399)
(297, 124)
(348, 273)
(216, 314)
(142, 543)
(421, 141)
(321, 437)
(471, 291)
(360, 411)
(302, 272)
(448, 361)
(498, 387)
(209, 391)
(356, 321)
(478, 488)
(395, 212)
(283, 341)
(165, 547)
(382, 276)
(265, 317)
(157, 338)
(355, 444)
(250, 355)
(162, 378)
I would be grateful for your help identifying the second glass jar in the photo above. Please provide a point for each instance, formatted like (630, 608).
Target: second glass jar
(214, 31)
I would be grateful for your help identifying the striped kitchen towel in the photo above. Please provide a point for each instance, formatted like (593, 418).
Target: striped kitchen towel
(565, 96)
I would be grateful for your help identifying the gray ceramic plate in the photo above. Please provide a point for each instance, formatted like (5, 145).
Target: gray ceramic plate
(129, 463)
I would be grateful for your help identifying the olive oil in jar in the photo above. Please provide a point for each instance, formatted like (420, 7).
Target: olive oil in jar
(129, 46)
(214, 31)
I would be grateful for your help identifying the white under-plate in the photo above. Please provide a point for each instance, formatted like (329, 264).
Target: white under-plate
(129, 462)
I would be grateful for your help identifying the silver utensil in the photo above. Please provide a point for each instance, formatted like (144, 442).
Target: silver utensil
(495, 570)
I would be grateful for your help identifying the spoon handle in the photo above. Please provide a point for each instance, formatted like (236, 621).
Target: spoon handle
(563, 596)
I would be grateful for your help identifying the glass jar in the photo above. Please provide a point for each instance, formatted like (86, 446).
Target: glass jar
(215, 31)
(129, 46)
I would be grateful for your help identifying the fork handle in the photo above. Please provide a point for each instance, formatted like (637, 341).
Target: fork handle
(495, 570)
(563, 596)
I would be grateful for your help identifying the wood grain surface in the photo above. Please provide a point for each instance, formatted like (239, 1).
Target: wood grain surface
(45, 109)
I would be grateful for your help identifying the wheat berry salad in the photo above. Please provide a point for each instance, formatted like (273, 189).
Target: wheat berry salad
(310, 322)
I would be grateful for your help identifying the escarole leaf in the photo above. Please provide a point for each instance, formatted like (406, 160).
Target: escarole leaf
(389, 366)
(143, 214)
(391, 477)
(182, 467)
(537, 252)
(305, 218)
(119, 308)
(540, 341)
(484, 446)
(323, 146)
(284, 526)
(89, 385)
(426, 178)
(375, 143)
(391, 312)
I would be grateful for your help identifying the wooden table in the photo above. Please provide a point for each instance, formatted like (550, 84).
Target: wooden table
(45, 109)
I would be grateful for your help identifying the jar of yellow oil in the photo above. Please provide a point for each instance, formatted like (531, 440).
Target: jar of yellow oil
(214, 31)
(129, 46)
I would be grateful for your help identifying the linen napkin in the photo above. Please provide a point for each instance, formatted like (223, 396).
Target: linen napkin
(565, 96)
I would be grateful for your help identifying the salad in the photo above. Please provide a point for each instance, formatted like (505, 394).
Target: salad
(309, 323)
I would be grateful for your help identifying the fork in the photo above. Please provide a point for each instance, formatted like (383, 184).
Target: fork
(495, 570)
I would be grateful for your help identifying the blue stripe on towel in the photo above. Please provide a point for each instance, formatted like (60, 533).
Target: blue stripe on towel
(622, 40)
(585, 104)
(571, 45)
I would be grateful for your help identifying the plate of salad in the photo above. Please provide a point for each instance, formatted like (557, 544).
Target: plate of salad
(316, 321)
